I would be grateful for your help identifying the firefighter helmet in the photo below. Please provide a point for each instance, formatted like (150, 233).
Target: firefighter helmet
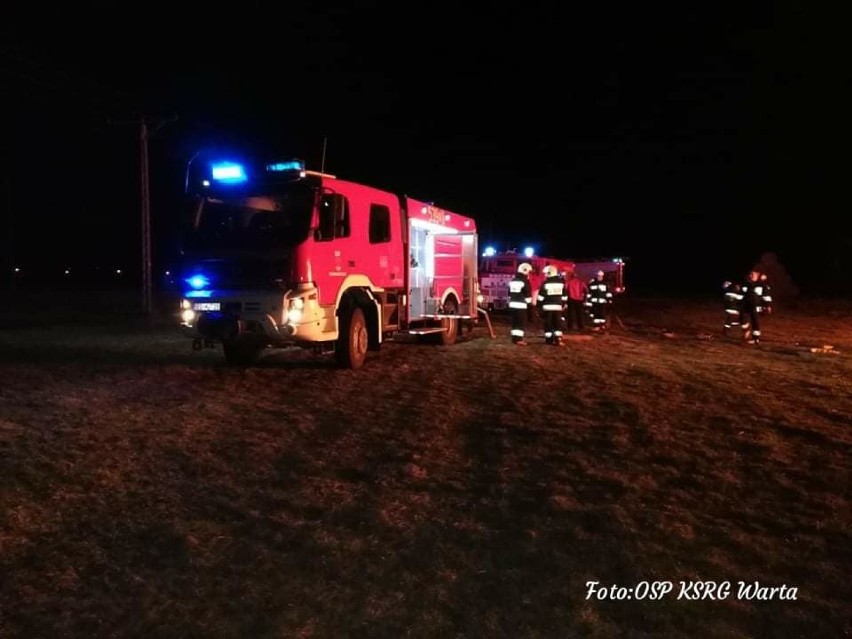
(549, 271)
(525, 268)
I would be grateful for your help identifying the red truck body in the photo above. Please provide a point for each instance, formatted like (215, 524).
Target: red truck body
(280, 256)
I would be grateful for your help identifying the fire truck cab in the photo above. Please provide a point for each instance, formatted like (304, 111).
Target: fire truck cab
(276, 256)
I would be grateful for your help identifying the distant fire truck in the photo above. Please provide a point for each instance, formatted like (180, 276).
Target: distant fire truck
(496, 269)
(277, 255)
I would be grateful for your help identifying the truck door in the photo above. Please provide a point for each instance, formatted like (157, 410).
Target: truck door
(420, 259)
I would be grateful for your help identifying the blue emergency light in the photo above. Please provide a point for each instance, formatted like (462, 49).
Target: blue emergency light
(198, 282)
(294, 165)
(228, 172)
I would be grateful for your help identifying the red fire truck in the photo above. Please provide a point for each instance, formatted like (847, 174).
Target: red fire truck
(496, 269)
(276, 255)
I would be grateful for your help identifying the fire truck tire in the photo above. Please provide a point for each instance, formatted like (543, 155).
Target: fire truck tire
(451, 327)
(351, 348)
(240, 352)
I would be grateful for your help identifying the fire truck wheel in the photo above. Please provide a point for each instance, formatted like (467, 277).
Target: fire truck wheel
(451, 327)
(351, 347)
(241, 353)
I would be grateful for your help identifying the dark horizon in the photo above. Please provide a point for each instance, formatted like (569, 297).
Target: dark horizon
(690, 142)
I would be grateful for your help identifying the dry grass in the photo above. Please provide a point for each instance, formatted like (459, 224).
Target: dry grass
(468, 491)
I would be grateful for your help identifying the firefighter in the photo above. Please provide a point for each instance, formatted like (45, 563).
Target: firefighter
(520, 299)
(752, 299)
(552, 298)
(766, 296)
(732, 305)
(600, 297)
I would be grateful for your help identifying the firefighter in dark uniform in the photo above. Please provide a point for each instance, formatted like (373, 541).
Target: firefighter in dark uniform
(520, 299)
(766, 295)
(752, 292)
(733, 297)
(552, 297)
(600, 297)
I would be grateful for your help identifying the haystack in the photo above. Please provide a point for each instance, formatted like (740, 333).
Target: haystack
(782, 285)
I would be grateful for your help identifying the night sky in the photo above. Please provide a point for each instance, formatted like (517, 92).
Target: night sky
(690, 140)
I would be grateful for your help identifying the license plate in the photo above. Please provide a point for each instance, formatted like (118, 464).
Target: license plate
(206, 306)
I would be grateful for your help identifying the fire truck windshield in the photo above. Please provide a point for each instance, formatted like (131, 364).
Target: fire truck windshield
(258, 222)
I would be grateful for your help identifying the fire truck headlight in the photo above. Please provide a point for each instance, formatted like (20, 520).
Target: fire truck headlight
(297, 303)
(185, 304)
(480, 298)
(187, 316)
(294, 315)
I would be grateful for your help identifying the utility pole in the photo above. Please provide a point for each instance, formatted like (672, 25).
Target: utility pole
(145, 133)
(145, 204)
(10, 235)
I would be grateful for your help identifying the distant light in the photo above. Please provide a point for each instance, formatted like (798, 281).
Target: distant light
(198, 281)
(205, 183)
(529, 251)
(67, 272)
(118, 271)
(168, 273)
(490, 251)
(228, 172)
(17, 270)
(295, 165)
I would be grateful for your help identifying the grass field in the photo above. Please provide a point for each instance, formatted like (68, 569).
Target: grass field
(464, 491)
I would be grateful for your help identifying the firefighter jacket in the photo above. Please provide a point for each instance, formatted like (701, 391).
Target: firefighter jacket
(752, 294)
(765, 297)
(520, 291)
(552, 295)
(599, 292)
(733, 297)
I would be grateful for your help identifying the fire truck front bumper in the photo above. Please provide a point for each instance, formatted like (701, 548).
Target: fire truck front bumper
(221, 327)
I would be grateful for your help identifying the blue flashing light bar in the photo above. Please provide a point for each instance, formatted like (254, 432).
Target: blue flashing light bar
(295, 165)
(229, 172)
(198, 282)
(191, 294)
(529, 251)
(489, 251)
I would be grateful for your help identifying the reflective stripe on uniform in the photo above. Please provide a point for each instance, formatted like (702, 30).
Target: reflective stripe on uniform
(517, 304)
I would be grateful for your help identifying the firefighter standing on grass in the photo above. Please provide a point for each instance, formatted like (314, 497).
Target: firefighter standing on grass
(600, 297)
(552, 298)
(752, 293)
(766, 295)
(733, 298)
(520, 300)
